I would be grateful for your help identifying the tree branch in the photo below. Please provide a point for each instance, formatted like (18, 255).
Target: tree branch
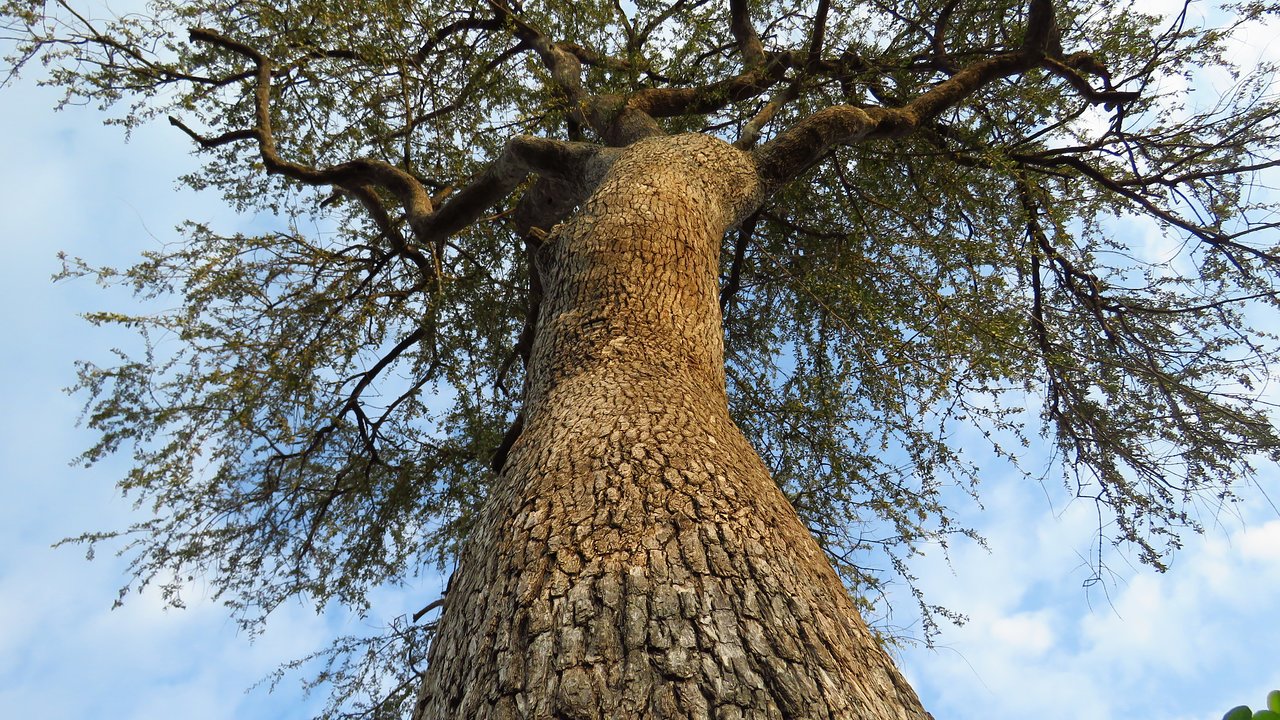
(349, 175)
(524, 154)
(208, 143)
(1108, 97)
(564, 66)
(808, 141)
(1210, 237)
(749, 45)
(819, 33)
(812, 61)
(734, 282)
(939, 33)
(802, 145)
(470, 23)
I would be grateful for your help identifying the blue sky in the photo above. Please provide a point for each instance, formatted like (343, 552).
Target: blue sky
(1186, 644)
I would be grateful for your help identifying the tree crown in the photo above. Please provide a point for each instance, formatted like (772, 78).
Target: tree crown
(940, 242)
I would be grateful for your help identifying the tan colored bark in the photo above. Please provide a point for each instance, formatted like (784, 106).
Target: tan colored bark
(636, 560)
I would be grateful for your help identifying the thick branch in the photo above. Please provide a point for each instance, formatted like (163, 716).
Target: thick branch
(819, 33)
(565, 67)
(812, 62)
(499, 459)
(755, 126)
(937, 39)
(523, 155)
(672, 102)
(808, 141)
(749, 44)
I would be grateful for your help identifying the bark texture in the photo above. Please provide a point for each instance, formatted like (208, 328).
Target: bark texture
(636, 559)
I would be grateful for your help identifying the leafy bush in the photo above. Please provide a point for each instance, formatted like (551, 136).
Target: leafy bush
(1242, 712)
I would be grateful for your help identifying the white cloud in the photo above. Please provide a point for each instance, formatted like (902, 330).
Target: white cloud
(1024, 633)
(70, 184)
(1194, 641)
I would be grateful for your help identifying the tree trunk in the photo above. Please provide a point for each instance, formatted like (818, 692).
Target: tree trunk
(636, 560)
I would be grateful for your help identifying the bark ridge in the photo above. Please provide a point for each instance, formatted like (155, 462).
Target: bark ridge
(636, 560)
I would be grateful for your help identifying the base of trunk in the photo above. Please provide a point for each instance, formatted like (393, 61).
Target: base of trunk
(629, 572)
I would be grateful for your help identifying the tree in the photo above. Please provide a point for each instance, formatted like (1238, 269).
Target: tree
(657, 316)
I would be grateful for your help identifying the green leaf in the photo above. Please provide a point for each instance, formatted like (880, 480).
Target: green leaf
(1240, 712)
(1273, 700)
(1266, 715)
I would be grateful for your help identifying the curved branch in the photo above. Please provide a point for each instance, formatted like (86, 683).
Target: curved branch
(568, 161)
(521, 156)
(1108, 97)
(1215, 239)
(349, 175)
(936, 39)
(565, 67)
(796, 150)
(470, 23)
(801, 146)
(373, 205)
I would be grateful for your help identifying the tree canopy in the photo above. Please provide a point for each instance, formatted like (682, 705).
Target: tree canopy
(318, 406)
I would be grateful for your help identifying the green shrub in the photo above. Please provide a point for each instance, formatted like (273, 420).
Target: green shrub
(1242, 712)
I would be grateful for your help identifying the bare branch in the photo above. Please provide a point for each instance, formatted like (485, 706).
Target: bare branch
(749, 44)
(1222, 242)
(1109, 98)
(373, 205)
(523, 155)
(213, 142)
(437, 603)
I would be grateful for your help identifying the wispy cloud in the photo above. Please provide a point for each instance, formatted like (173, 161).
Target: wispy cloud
(1188, 643)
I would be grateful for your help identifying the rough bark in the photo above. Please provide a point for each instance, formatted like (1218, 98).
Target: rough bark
(636, 560)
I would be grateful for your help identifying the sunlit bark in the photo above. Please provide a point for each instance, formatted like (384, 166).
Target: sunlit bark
(636, 559)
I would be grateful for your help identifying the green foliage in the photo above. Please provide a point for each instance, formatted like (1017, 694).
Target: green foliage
(1243, 712)
(313, 413)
